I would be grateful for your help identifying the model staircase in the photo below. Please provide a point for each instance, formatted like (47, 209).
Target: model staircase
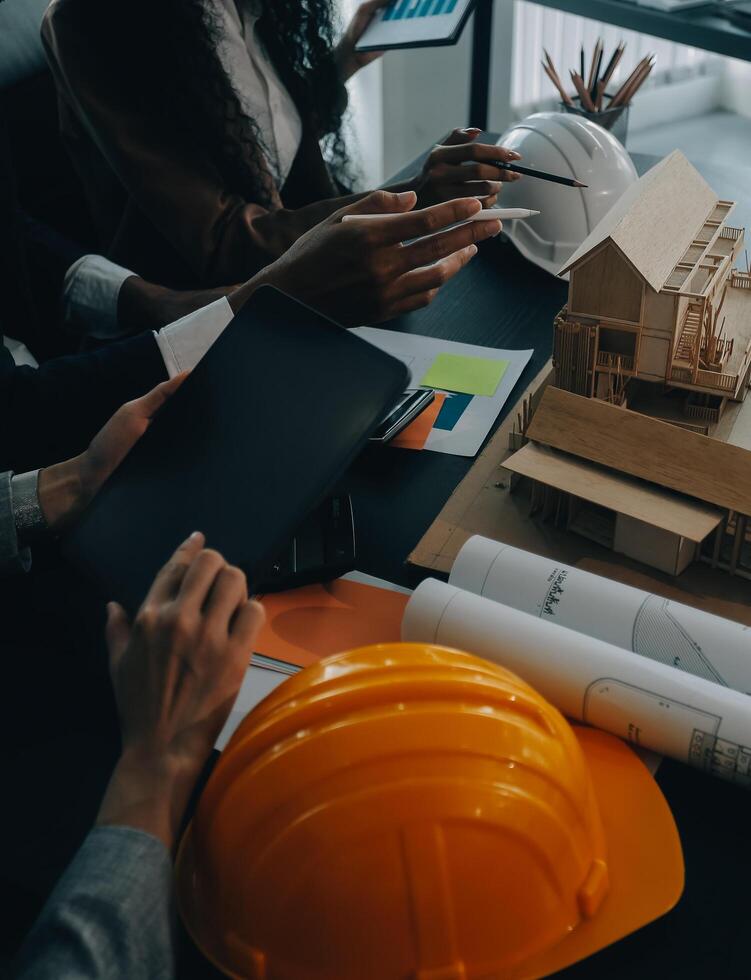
(689, 334)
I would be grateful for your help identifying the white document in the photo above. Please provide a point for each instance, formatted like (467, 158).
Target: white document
(669, 632)
(418, 353)
(645, 702)
(257, 683)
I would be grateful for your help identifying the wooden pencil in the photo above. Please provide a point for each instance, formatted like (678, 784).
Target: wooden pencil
(619, 96)
(593, 86)
(637, 83)
(600, 93)
(639, 80)
(556, 80)
(584, 96)
(517, 168)
(613, 63)
(593, 65)
(553, 76)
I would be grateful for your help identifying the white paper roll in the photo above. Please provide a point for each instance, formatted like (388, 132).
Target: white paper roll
(647, 703)
(669, 632)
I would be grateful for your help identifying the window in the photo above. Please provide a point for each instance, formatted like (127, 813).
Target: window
(561, 34)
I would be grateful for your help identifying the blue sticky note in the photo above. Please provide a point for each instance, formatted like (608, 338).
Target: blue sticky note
(451, 411)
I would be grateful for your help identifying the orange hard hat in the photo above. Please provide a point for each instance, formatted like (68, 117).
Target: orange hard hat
(407, 811)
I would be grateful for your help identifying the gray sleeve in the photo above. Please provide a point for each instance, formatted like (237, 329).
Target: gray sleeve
(12, 558)
(109, 916)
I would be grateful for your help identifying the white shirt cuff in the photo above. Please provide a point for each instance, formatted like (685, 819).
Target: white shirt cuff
(90, 293)
(19, 352)
(184, 342)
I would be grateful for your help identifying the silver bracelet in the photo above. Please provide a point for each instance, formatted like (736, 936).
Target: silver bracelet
(27, 513)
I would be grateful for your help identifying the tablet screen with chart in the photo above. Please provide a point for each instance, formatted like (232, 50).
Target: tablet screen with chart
(415, 23)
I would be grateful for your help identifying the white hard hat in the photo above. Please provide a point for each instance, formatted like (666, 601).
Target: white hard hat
(570, 146)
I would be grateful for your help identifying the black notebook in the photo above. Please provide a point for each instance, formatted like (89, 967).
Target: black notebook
(250, 443)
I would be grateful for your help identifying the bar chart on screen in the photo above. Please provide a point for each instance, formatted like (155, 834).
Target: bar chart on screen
(416, 23)
(405, 9)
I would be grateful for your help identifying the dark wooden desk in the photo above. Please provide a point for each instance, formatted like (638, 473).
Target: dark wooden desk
(502, 300)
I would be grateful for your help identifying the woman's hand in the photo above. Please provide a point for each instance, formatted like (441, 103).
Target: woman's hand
(460, 167)
(363, 272)
(176, 671)
(347, 58)
(66, 489)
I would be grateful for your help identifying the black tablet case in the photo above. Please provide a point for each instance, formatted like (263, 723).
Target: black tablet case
(249, 444)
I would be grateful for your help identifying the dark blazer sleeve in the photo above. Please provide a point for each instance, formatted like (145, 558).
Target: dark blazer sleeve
(50, 413)
(221, 237)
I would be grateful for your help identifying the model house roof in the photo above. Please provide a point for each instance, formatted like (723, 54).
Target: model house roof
(623, 494)
(631, 443)
(655, 220)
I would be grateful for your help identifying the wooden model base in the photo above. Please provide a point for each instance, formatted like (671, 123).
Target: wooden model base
(485, 503)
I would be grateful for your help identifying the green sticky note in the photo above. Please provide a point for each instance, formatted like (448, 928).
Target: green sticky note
(470, 375)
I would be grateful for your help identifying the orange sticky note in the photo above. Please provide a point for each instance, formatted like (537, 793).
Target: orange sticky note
(416, 433)
(303, 625)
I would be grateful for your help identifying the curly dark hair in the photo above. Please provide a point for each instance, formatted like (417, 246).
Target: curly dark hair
(176, 72)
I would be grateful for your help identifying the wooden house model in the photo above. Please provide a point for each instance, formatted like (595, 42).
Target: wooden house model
(657, 493)
(654, 295)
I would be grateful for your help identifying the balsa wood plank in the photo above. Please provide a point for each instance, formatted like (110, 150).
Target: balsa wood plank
(637, 445)
(625, 495)
(606, 286)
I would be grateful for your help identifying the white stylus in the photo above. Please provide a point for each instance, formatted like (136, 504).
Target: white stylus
(488, 214)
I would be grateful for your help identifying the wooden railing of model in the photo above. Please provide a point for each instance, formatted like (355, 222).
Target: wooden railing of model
(607, 359)
(715, 380)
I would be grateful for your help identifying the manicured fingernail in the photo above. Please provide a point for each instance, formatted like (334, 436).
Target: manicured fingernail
(192, 537)
(472, 250)
(514, 155)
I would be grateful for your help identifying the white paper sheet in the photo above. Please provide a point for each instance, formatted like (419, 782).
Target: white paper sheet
(418, 353)
(647, 703)
(669, 632)
(257, 683)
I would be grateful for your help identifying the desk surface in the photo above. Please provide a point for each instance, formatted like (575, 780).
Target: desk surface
(501, 300)
(701, 27)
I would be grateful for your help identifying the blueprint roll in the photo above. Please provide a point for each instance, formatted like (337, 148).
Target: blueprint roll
(666, 631)
(645, 702)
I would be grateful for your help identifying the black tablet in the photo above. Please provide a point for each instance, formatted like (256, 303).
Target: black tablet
(249, 444)
(416, 24)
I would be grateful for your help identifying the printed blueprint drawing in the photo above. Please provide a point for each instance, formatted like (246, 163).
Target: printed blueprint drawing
(659, 635)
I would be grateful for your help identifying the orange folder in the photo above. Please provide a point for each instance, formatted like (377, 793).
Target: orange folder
(303, 625)
(416, 433)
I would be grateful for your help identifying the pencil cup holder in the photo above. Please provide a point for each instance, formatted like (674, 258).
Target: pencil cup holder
(614, 120)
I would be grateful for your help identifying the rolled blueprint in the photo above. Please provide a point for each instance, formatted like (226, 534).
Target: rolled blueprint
(648, 703)
(669, 632)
